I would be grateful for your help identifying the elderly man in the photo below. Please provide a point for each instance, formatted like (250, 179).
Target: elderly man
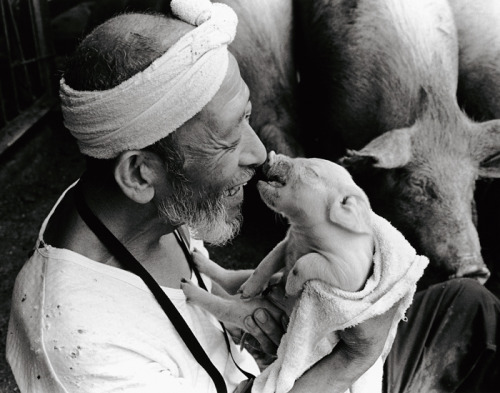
(158, 106)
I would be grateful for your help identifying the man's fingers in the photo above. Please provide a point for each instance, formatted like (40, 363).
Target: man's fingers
(266, 329)
(266, 344)
(277, 296)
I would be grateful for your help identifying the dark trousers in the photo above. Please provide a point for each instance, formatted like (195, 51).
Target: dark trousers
(449, 343)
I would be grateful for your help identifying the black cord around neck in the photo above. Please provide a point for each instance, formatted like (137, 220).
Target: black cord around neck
(133, 265)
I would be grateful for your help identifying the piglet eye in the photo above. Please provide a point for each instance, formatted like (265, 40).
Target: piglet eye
(344, 200)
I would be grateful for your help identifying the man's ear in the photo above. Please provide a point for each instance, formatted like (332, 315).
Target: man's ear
(135, 176)
(352, 213)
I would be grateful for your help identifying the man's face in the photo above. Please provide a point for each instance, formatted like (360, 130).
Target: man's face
(221, 151)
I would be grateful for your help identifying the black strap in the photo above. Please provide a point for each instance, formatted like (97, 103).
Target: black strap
(183, 242)
(133, 265)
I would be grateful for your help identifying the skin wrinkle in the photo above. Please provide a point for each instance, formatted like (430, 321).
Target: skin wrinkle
(213, 137)
(218, 137)
(214, 145)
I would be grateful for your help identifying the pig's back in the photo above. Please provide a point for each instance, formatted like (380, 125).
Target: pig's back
(479, 38)
(372, 61)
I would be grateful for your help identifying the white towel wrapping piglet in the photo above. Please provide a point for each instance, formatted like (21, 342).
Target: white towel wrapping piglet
(345, 263)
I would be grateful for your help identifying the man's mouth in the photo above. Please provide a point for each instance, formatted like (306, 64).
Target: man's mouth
(230, 192)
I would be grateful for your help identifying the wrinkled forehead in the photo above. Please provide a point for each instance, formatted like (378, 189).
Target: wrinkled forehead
(232, 89)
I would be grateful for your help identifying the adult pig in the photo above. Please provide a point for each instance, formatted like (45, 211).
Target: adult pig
(478, 27)
(263, 48)
(379, 78)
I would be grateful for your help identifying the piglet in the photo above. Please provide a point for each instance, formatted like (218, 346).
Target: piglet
(330, 239)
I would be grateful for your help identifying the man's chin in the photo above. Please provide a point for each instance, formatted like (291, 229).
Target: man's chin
(214, 220)
(218, 234)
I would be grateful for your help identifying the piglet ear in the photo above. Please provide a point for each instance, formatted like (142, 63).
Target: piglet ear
(392, 149)
(352, 213)
(487, 149)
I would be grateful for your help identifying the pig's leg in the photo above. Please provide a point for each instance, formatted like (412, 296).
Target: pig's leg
(315, 266)
(273, 262)
(227, 308)
(230, 280)
(223, 307)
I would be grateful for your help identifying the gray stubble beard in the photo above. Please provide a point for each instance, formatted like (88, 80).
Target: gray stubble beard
(205, 215)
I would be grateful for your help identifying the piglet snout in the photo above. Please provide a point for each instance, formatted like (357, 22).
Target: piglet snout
(271, 157)
(261, 171)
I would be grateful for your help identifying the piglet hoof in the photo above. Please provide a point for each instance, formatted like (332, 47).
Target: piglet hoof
(252, 287)
(241, 292)
(207, 266)
(246, 291)
(199, 259)
(190, 290)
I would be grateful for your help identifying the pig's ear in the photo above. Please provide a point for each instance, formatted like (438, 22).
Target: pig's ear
(352, 213)
(390, 150)
(487, 149)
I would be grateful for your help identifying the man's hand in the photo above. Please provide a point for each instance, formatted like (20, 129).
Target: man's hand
(268, 327)
(368, 338)
(356, 352)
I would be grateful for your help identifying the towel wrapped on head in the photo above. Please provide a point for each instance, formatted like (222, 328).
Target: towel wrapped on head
(155, 102)
(321, 311)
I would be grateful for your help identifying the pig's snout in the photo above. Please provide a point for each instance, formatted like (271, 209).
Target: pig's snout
(454, 249)
(477, 271)
(263, 170)
(277, 167)
(271, 157)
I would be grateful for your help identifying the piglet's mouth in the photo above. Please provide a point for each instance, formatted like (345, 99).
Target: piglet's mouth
(275, 171)
(275, 182)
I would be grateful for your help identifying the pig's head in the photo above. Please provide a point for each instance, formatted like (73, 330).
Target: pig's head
(422, 179)
(312, 192)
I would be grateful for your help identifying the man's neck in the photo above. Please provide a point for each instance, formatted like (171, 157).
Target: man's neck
(136, 225)
(131, 222)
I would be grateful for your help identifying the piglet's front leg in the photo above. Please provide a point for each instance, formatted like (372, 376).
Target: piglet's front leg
(230, 280)
(271, 264)
(230, 309)
(222, 306)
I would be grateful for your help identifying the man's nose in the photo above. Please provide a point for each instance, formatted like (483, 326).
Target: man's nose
(253, 152)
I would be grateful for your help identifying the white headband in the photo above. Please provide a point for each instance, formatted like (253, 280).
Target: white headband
(153, 103)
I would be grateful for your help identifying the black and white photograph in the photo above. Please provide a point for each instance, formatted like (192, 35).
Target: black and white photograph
(250, 196)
